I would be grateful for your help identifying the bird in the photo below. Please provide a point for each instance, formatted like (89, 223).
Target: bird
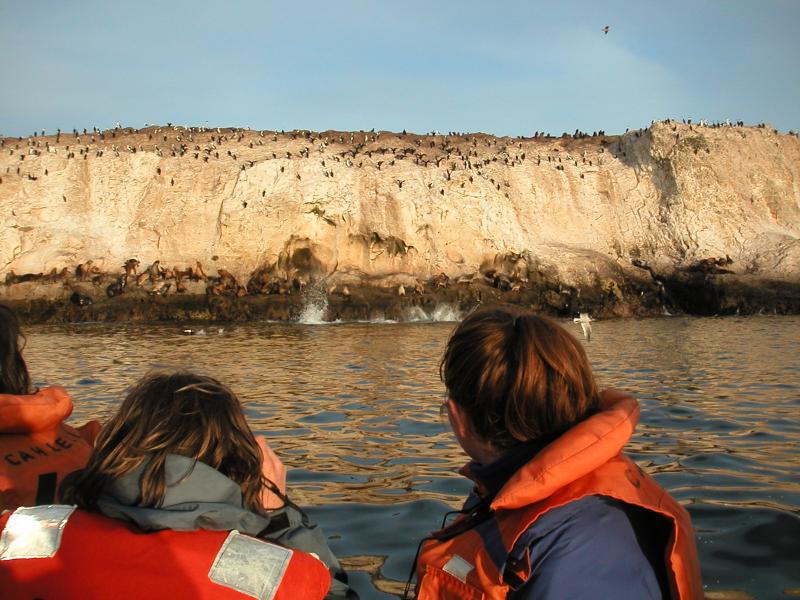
(606, 29)
(191, 331)
(586, 325)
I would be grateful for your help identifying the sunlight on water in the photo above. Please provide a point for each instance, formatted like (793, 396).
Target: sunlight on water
(353, 410)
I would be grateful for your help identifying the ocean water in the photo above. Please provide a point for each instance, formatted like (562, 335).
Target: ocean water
(353, 410)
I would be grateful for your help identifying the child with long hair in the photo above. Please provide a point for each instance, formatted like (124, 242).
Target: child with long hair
(178, 500)
(36, 448)
(558, 511)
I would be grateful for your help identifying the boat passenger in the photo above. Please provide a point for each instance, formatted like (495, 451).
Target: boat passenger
(178, 500)
(36, 448)
(557, 511)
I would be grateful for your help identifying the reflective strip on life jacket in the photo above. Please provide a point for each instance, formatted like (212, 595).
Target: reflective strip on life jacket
(34, 532)
(458, 568)
(233, 566)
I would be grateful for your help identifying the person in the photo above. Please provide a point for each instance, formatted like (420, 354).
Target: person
(558, 511)
(37, 449)
(178, 500)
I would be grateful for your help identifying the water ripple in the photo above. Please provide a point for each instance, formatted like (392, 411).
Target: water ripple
(353, 410)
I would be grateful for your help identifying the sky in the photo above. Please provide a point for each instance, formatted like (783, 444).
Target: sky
(501, 67)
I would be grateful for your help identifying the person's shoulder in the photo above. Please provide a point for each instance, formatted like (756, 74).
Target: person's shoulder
(588, 548)
(593, 512)
(588, 525)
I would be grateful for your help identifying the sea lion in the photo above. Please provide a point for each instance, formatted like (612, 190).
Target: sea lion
(501, 282)
(63, 274)
(24, 277)
(199, 273)
(440, 281)
(160, 291)
(179, 274)
(80, 299)
(131, 266)
(154, 271)
(84, 271)
(227, 279)
(215, 289)
(116, 288)
(298, 284)
(272, 286)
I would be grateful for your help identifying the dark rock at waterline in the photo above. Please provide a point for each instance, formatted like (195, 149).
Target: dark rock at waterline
(711, 294)
(691, 292)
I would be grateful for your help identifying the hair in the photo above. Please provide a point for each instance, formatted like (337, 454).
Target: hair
(518, 376)
(172, 413)
(14, 377)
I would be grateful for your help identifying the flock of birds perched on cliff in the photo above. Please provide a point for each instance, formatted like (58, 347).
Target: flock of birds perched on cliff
(334, 150)
(476, 155)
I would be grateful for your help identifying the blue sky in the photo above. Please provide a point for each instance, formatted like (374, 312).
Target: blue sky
(508, 68)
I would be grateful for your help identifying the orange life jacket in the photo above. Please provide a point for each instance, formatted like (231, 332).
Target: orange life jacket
(36, 448)
(585, 461)
(63, 552)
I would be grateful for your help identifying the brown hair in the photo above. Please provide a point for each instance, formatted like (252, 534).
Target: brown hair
(172, 413)
(14, 377)
(518, 376)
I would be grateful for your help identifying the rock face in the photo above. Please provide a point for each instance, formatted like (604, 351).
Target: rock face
(699, 218)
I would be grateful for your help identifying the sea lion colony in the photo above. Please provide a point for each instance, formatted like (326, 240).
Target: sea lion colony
(156, 280)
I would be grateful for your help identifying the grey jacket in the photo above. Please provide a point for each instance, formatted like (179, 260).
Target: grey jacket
(199, 497)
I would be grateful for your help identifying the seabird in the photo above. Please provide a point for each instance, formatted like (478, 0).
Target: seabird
(586, 325)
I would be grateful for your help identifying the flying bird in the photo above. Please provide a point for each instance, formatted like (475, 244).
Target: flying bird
(606, 29)
(586, 325)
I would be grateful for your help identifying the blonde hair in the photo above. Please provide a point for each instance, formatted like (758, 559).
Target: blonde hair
(172, 413)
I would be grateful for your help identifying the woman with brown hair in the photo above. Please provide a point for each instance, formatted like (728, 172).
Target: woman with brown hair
(36, 448)
(557, 510)
(178, 500)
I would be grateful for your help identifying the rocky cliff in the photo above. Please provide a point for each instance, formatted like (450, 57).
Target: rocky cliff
(677, 216)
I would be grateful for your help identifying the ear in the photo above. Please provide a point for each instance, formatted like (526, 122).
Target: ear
(459, 421)
(475, 447)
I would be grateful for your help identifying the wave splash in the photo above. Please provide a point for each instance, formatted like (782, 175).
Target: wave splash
(441, 313)
(315, 306)
(315, 312)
